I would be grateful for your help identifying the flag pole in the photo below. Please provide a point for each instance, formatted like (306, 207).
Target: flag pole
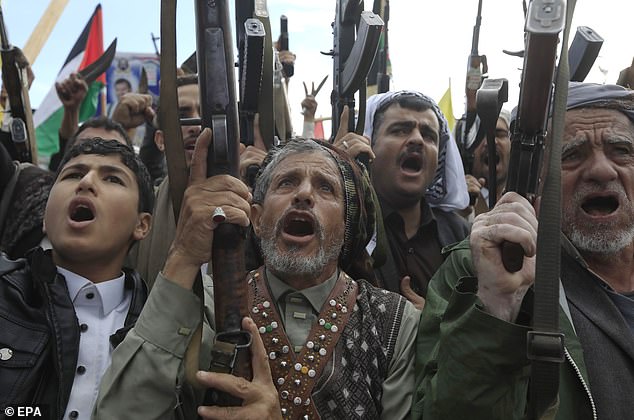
(43, 29)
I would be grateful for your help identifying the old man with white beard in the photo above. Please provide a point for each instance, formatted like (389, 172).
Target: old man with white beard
(474, 300)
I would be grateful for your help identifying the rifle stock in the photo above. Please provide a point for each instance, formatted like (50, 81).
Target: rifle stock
(544, 22)
(15, 82)
(215, 61)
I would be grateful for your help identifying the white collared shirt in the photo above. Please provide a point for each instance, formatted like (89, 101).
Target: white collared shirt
(101, 310)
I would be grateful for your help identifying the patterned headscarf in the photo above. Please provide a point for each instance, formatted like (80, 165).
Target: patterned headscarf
(448, 191)
(584, 95)
(360, 202)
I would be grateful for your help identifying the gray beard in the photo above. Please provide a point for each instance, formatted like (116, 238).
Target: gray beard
(292, 262)
(604, 239)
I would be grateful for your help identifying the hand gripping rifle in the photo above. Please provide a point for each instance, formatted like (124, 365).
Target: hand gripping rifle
(214, 51)
(15, 82)
(545, 342)
(544, 22)
(353, 56)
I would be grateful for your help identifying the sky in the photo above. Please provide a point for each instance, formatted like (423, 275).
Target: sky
(429, 41)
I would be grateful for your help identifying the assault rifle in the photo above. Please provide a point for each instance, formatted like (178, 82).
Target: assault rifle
(379, 76)
(477, 69)
(353, 57)
(289, 69)
(15, 82)
(215, 62)
(528, 131)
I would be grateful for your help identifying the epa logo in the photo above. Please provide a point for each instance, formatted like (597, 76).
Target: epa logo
(23, 411)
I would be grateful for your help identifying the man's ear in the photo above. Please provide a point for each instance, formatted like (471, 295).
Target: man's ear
(144, 224)
(159, 140)
(256, 213)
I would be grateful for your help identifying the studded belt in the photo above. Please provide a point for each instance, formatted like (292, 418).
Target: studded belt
(295, 375)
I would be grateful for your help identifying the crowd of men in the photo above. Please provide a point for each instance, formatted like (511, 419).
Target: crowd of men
(373, 292)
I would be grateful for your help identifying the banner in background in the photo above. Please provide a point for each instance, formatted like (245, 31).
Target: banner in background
(124, 75)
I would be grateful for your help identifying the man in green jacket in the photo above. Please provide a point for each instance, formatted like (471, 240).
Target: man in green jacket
(471, 346)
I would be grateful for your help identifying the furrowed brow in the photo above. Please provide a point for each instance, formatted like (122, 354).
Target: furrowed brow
(573, 144)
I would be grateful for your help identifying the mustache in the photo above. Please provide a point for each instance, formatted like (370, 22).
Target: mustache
(411, 148)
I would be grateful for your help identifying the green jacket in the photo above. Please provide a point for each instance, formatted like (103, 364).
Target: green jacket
(471, 365)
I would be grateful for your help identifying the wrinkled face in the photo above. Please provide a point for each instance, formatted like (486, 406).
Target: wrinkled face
(406, 152)
(301, 221)
(92, 210)
(502, 155)
(91, 132)
(597, 169)
(189, 107)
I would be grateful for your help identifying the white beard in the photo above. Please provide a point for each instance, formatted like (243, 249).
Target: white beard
(600, 238)
(291, 262)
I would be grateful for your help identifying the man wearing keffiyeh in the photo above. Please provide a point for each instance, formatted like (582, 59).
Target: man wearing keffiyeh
(477, 314)
(419, 179)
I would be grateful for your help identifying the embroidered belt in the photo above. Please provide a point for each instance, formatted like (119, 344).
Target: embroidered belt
(295, 375)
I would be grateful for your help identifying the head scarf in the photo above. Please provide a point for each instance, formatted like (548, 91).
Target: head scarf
(448, 190)
(584, 95)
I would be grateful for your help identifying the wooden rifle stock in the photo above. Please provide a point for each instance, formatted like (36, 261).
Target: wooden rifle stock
(544, 22)
(15, 82)
(214, 50)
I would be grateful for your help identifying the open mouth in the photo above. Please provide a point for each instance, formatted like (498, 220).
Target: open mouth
(81, 213)
(600, 205)
(298, 225)
(412, 163)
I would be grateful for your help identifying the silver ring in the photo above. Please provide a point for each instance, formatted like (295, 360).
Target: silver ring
(345, 145)
(219, 215)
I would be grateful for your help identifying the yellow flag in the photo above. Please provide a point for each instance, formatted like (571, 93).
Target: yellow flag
(447, 109)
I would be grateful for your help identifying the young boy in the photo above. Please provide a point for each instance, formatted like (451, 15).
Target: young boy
(62, 311)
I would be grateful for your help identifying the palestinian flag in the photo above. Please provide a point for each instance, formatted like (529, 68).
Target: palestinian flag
(48, 117)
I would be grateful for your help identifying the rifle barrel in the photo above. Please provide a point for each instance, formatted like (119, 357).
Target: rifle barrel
(3, 32)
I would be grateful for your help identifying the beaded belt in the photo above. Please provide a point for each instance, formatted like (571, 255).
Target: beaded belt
(295, 376)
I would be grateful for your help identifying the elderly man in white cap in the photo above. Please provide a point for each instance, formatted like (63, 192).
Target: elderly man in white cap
(418, 176)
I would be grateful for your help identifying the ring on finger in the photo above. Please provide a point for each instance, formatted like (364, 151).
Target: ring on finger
(345, 145)
(218, 215)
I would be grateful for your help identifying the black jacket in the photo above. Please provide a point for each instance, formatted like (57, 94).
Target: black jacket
(39, 331)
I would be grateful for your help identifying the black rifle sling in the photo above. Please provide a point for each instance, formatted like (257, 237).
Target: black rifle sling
(545, 342)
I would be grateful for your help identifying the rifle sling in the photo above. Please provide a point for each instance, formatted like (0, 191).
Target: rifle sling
(296, 374)
(545, 342)
(175, 155)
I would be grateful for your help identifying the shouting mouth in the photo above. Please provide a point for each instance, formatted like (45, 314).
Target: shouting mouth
(298, 227)
(412, 163)
(81, 213)
(598, 206)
